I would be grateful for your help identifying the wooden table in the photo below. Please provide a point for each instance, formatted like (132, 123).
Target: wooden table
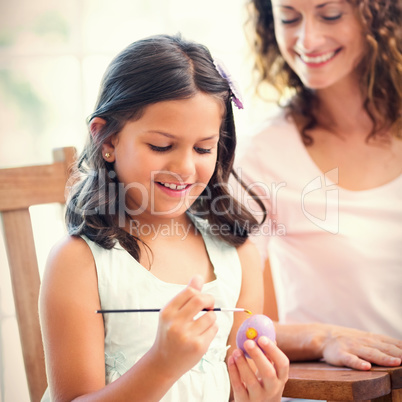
(318, 380)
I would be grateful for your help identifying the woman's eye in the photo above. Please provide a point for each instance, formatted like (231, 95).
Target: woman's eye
(202, 150)
(159, 149)
(331, 17)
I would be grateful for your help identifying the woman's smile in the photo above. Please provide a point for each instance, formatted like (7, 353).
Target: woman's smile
(318, 60)
(321, 41)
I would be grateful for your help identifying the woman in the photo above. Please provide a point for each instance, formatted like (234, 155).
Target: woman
(329, 165)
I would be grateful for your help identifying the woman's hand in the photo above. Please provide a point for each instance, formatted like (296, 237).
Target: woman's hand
(358, 349)
(267, 382)
(181, 340)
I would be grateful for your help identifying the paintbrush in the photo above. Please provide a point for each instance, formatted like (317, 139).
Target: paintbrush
(154, 310)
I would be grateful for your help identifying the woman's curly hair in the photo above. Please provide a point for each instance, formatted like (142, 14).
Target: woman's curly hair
(380, 69)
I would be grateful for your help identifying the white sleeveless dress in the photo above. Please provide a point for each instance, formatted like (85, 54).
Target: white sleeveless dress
(125, 284)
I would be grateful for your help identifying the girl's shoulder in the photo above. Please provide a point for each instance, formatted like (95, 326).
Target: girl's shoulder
(69, 257)
(251, 288)
(69, 279)
(71, 247)
(249, 256)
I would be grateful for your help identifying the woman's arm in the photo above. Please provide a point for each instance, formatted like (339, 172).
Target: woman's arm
(74, 335)
(338, 345)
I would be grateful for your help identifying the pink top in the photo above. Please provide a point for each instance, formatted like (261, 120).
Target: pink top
(336, 254)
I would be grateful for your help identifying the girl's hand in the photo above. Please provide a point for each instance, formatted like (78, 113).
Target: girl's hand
(267, 383)
(181, 340)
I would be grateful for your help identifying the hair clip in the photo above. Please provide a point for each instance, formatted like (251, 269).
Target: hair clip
(224, 73)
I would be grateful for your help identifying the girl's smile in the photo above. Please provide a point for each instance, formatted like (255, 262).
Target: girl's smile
(174, 189)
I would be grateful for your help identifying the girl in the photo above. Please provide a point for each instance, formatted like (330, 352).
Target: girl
(150, 220)
(336, 149)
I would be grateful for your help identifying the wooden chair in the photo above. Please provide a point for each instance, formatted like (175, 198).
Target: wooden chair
(21, 188)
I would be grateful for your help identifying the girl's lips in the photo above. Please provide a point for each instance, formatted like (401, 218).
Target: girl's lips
(174, 190)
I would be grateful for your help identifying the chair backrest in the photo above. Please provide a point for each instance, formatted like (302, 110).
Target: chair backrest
(21, 188)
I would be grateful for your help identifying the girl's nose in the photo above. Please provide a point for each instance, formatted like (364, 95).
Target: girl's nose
(310, 36)
(183, 165)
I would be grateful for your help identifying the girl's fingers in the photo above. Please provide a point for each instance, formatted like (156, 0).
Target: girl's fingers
(178, 316)
(260, 359)
(239, 390)
(192, 293)
(270, 361)
(196, 282)
(265, 383)
(246, 373)
(195, 304)
(203, 324)
(180, 300)
(279, 360)
(269, 378)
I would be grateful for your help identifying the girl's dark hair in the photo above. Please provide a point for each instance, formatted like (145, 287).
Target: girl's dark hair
(159, 68)
(380, 70)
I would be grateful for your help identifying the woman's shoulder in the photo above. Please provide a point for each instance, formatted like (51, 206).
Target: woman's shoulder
(279, 125)
(274, 144)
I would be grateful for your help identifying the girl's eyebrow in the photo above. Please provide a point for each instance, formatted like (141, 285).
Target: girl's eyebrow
(284, 6)
(161, 133)
(168, 135)
(212, 137)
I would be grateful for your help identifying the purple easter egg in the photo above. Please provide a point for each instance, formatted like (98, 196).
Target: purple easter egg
(255, 326)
